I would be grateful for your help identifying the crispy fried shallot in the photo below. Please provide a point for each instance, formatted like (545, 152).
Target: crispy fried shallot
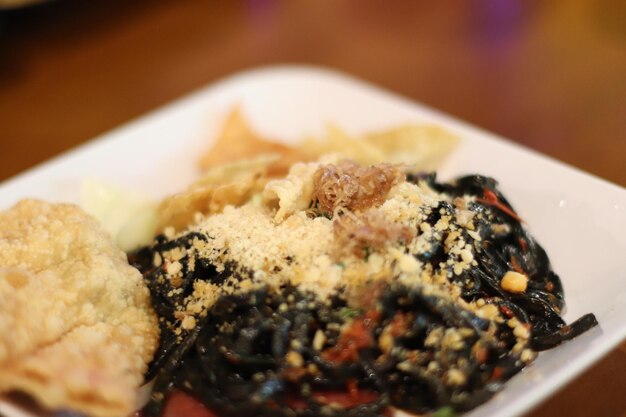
(362, 233)
(353, 186)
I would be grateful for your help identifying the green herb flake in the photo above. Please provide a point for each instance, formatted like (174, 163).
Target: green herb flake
(446, 411)
(349, 313)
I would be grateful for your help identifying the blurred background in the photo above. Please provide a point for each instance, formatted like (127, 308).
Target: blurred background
(550, 75)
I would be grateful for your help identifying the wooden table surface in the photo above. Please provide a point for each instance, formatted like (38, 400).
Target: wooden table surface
(549, 75)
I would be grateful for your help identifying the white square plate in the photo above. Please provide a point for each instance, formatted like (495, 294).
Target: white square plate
(579, 219)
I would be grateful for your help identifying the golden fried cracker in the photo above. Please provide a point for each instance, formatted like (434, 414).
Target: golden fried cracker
(228, 184)
(339, 142)
(76, 326)
(238, 141)
(420, 147)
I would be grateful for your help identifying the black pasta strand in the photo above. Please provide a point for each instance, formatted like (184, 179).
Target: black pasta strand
(258, 352)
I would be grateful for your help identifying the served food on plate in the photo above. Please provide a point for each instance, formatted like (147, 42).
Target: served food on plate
(241, 161)
(351, 284)
(76, 327)
(335, 277)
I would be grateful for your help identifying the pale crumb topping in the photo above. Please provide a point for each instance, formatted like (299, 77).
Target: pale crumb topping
(338, 227)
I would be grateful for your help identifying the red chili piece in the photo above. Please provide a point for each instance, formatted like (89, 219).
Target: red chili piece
(345, 399)
(356, 336)
(353, 389)
(180, 404)
(523, 245)
(506, 311)
(489, 197)
(516, 266)
(399, 325)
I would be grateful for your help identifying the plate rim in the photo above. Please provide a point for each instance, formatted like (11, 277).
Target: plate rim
(557, 381)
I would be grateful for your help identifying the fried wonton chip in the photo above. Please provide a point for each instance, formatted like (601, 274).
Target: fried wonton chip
(292, 193)
(339, 142)
(229, 184)
(238, 141)
(76, 326)
(420, 147)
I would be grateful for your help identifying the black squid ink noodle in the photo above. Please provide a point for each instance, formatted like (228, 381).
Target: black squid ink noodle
(285, 351)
